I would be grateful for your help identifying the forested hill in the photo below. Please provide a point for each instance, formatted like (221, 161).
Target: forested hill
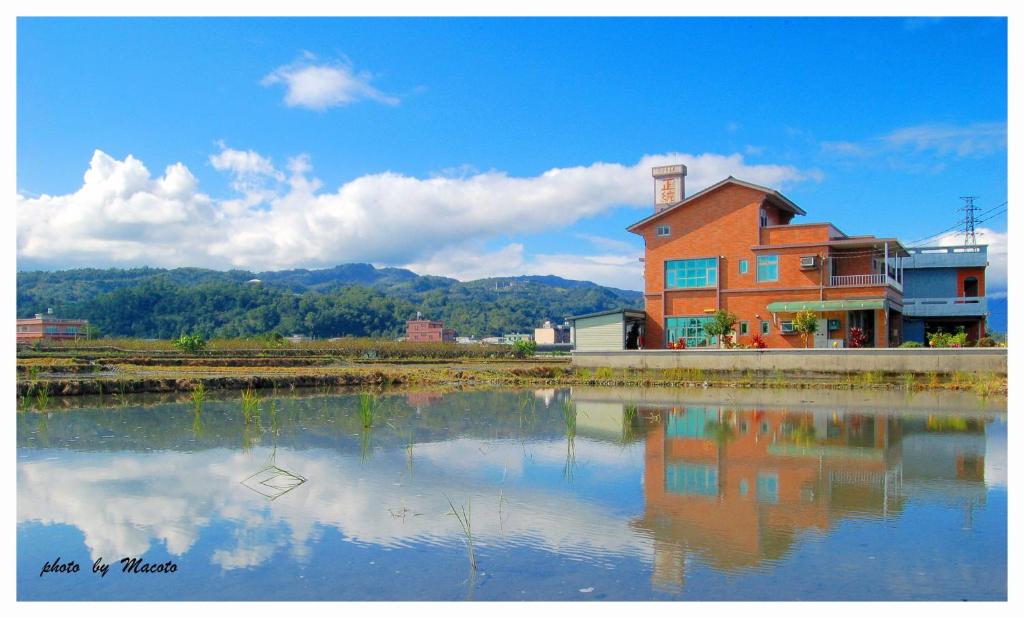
(350, 299)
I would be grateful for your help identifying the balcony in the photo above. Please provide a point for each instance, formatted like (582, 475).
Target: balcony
(975, 256)
(963, 306)
(859, 281)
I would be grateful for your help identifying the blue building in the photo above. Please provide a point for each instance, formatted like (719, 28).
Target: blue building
(944, 288)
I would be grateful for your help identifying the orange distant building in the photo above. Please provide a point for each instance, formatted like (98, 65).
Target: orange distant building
(45, 326)
(733, 246)
(420, 330)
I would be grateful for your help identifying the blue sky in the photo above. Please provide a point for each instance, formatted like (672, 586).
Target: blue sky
(477, 147)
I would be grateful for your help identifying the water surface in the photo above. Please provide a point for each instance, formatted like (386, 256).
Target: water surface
(649, 495)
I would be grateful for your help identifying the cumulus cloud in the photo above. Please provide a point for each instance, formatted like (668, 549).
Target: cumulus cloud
(321, 85)
(123, 216)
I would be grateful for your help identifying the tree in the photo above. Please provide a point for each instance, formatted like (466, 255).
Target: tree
(720, 324)
(805, 323)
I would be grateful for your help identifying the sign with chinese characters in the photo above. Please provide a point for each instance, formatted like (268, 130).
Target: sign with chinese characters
(668, 184)
(668, 190)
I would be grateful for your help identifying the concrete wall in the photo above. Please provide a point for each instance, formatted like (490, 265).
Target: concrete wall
(984, 360)
(930, 283)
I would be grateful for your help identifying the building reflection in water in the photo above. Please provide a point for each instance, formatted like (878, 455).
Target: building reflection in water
(734, 487)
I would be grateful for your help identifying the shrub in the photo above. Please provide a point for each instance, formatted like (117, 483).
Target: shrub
(940, 339)
(986, 342)
(523, 348)
(911, 344)
(190, 343)
(758, 342)
(857, 337)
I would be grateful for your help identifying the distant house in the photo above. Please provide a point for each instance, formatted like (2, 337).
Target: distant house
(511, 338)
(944, 288)
(45, 326)
(550, 334)
(428, 331)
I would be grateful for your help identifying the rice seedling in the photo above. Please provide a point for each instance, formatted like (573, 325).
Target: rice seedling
(569, 416)
(198, 395)
(250, 405)
(908, 381)
(42, 397)
(933, 379)
(465, 520)
(366, 409)
(604, 373)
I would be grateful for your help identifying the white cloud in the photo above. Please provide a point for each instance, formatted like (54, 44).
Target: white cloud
(122, 216)
(319, 86)
(195, 489)
(974, 140)
(996, 273)
(473, 262)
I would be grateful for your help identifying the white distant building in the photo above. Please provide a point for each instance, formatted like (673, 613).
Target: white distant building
(550, 334)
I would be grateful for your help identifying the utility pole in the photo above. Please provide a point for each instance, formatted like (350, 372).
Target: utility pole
(969, 209)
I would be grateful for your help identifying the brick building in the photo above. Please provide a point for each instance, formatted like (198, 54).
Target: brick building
(428, 331)
(45, 326)
(733, 246)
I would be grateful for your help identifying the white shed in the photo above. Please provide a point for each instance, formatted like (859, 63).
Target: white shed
(608, 330)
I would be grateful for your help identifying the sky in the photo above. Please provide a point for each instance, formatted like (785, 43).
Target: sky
(489, 147)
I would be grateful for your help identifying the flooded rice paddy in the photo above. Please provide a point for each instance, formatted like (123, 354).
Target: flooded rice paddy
(567, 494)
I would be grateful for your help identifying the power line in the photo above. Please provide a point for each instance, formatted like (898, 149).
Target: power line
(961, 223)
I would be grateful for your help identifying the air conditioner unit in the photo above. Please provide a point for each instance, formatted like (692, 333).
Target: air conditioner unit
(808, 262)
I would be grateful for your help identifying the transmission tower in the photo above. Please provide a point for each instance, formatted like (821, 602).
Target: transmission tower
(969, 209)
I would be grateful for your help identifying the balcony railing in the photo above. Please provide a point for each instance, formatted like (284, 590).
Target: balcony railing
(839, 281)
(952, 306)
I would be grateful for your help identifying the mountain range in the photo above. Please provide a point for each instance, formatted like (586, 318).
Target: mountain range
(348, 299)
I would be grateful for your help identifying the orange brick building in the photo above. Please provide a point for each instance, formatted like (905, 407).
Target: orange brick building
(428, 331)
(45, 326)
(733, 247)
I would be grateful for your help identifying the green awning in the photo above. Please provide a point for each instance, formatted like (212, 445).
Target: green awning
(827, 305)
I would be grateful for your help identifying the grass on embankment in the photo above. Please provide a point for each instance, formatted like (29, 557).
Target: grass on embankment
(139, 379)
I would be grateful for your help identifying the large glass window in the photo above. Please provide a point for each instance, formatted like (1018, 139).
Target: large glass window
(699, 273)
(767, 268)
(690, 329)
(691, 479)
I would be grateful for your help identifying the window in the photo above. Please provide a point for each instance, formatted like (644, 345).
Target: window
(691, 479)
(743, 328)
(663, 230)
(767, 487)
(691, 330)
(699, 273)
(786, 326)
(767, 268)
(764, 217)
(744, 267)
(764, 327)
